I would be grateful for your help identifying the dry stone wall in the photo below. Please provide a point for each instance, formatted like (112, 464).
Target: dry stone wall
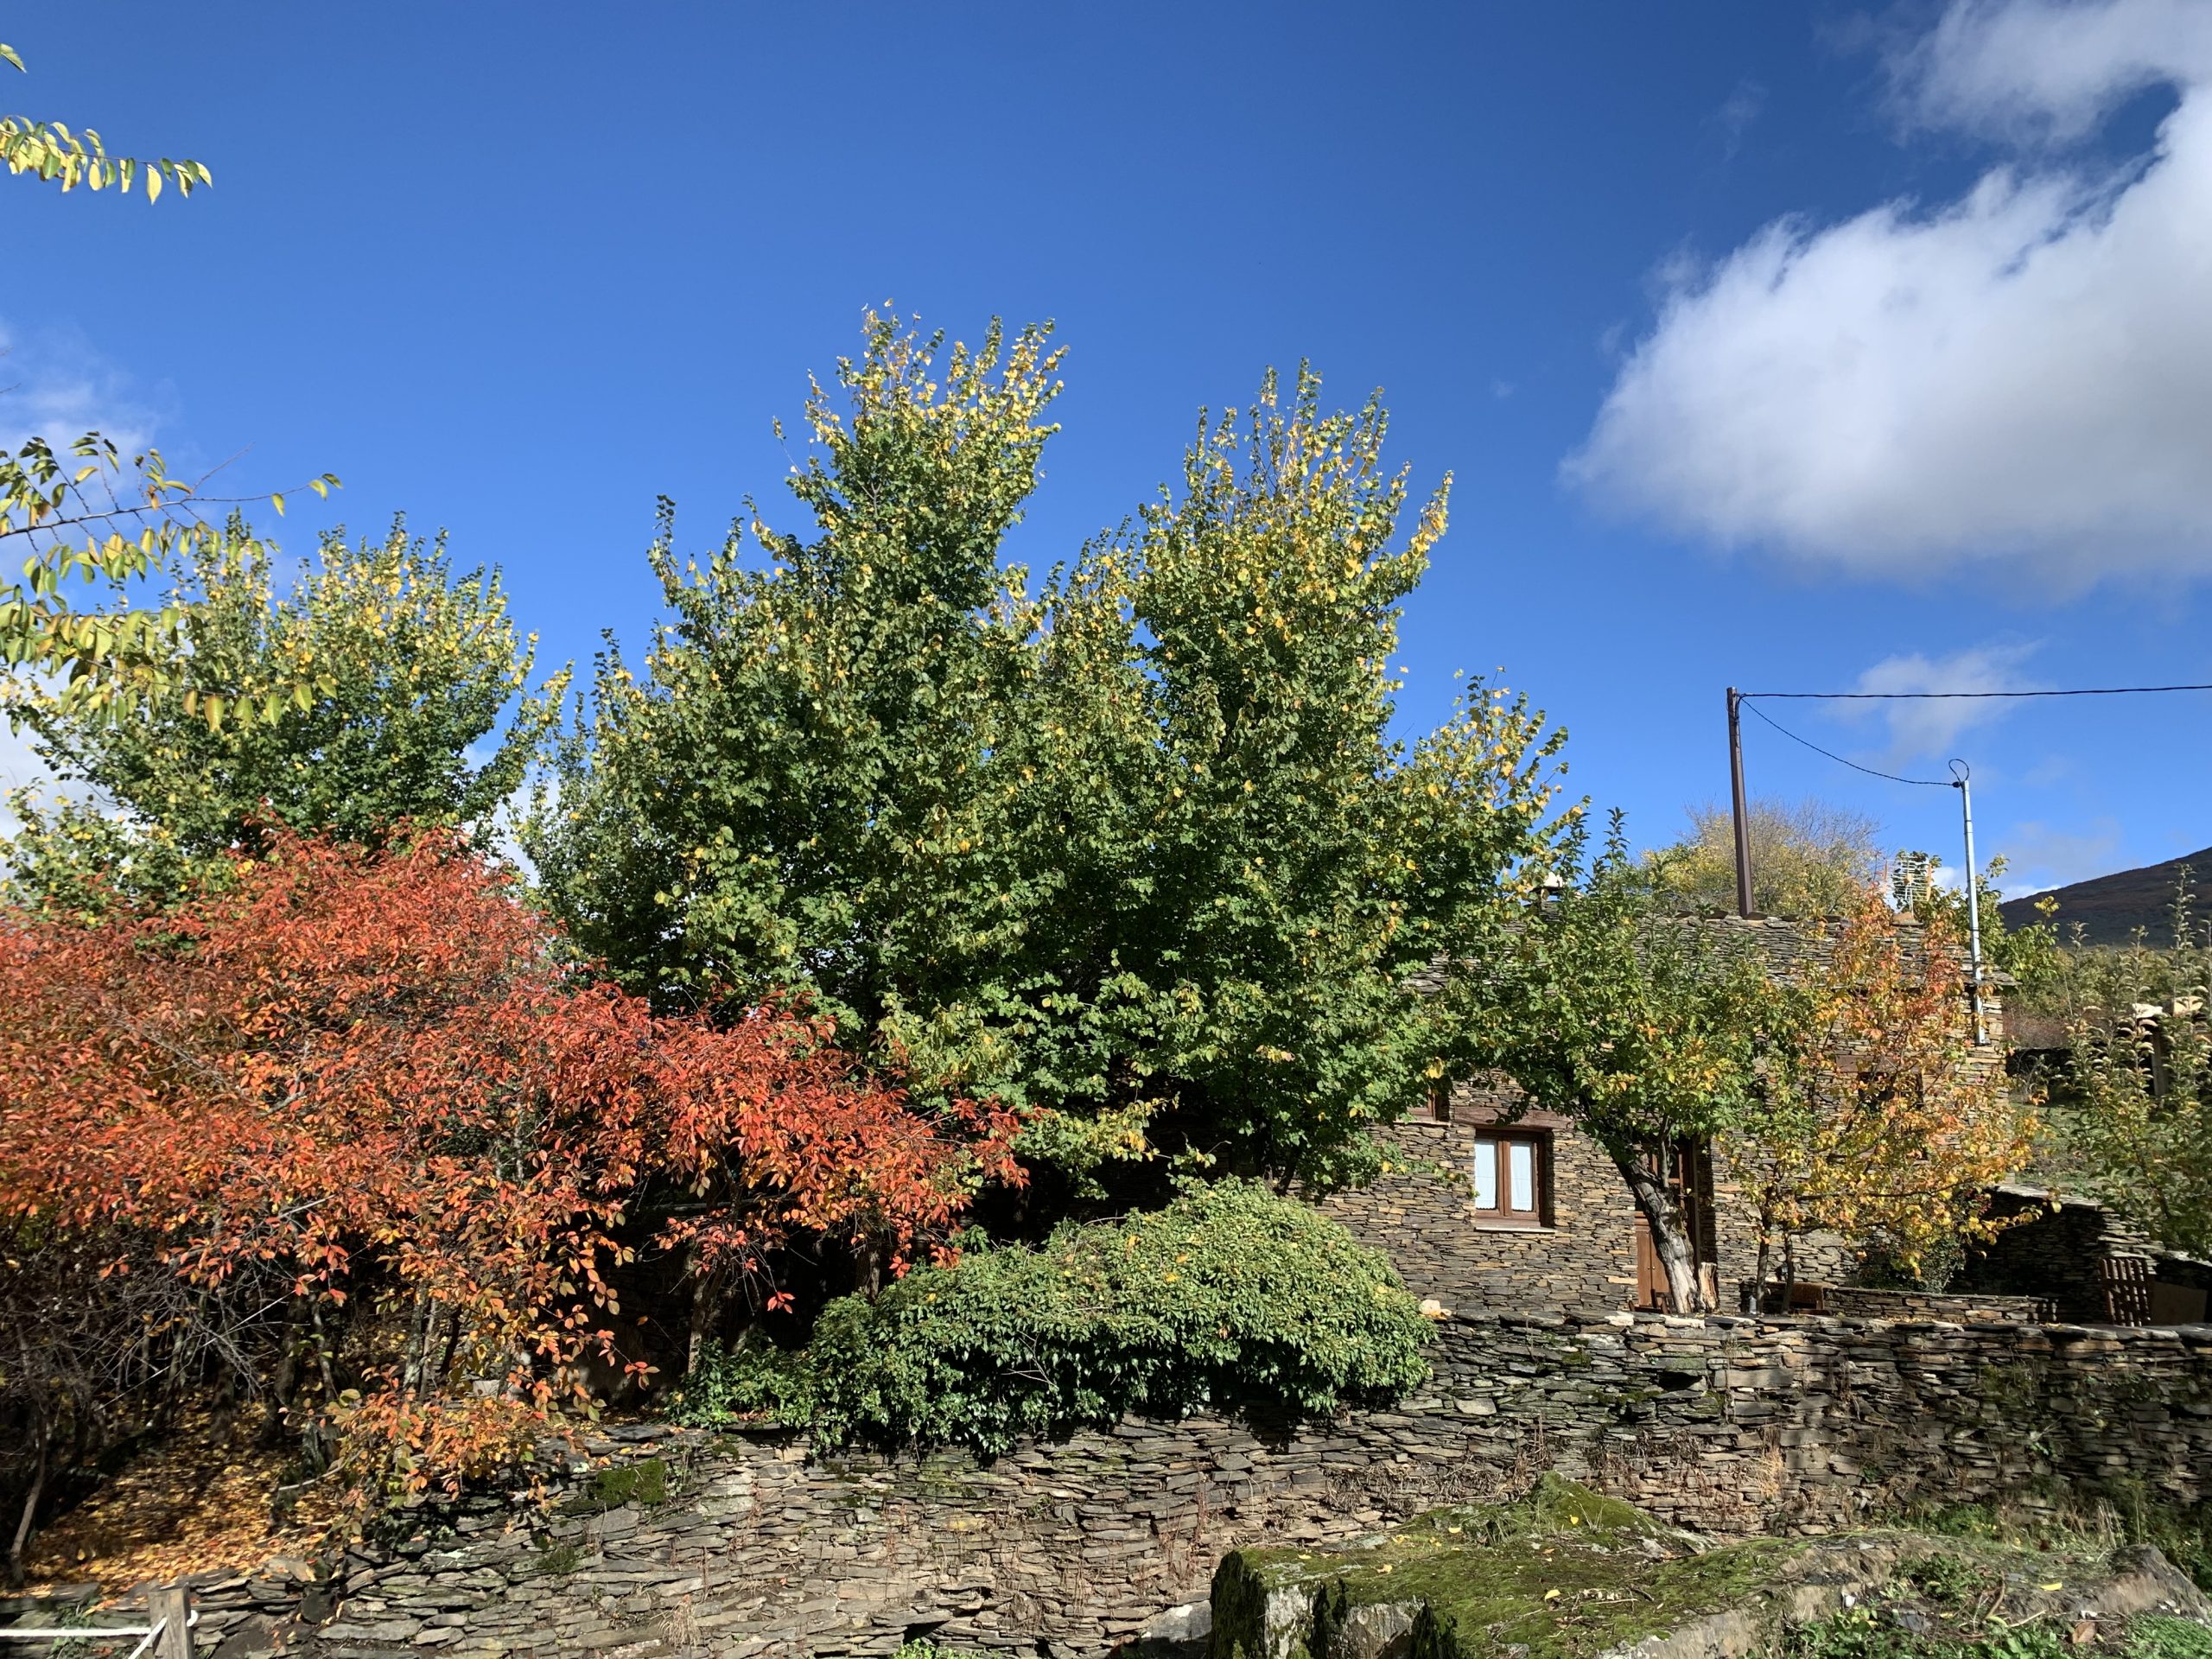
(2051, 1246)
(749, 1546)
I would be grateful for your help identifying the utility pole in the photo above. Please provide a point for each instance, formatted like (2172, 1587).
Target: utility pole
(1961, 775)
(1736, 790)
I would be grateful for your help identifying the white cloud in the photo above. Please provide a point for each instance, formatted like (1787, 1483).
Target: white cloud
(1734, 118)
(54, 385)
(2038, 857)
(2022, 375)
(2047, 70)
(1930, 729)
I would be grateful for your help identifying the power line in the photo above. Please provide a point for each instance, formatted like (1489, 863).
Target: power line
(1927, 783)
(1902, 697)
(1920, 696)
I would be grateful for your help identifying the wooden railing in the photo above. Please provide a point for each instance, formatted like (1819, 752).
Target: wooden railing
(165, 1635)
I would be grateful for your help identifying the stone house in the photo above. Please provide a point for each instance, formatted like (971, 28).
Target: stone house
(1482, 1210)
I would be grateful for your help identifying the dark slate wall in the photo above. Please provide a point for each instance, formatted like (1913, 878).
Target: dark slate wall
(1084, 1546)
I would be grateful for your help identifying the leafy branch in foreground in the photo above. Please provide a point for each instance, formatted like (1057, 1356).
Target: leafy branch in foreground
(58, 156)
(85, 516)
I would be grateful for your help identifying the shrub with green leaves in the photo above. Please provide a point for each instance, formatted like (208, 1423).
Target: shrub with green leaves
(1230, 1298)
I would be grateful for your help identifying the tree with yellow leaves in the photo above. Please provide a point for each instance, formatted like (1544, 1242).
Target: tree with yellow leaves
(1134, 842)
(1874, 1115)
(1640, 1024)
(390, 678)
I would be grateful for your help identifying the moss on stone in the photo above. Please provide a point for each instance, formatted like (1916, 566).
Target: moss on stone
(644, 1482)
(1564, 1571)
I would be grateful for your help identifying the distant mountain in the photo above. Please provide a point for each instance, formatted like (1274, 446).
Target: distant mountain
(2111, 907)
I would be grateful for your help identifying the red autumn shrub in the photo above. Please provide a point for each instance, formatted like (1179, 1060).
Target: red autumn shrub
(356, 1071)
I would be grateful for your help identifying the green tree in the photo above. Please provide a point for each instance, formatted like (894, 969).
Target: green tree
(2030, 955)
(1305, 867)
(1643, 1026)
(2136, 1086)
(1131, 842)
(1808, 858)
(416, 670)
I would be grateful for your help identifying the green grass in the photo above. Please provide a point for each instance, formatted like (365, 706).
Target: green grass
(2062, 1518)
(1863, 1633)
(558, 1561)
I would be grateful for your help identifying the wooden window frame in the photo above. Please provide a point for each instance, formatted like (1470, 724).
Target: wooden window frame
(1503, 1213)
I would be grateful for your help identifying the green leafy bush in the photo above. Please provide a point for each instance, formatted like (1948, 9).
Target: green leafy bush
(754, 1381)
(2154, 1637)
(1230, 1297)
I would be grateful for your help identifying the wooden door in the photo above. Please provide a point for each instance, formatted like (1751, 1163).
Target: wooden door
(1650, 1277)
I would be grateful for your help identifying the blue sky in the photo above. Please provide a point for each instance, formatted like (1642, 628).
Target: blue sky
(1795, 347)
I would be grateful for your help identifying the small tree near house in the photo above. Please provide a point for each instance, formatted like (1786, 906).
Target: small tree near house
(1870, 1114)
(1848, 1097)
(1642, 1027)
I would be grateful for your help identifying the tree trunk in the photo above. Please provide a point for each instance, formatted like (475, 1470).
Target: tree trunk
(286, 1383)
(30, 1508)
(709, 1296)
(1756, 1303)
(325, 1347)
(869, 1266)
(1670, 1238)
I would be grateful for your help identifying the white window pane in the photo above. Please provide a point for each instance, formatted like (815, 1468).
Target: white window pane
(1521, 1158)
(1485, 1174)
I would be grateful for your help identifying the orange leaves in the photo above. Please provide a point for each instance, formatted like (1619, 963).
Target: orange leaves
(378, 1070)
(1878, 1116)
